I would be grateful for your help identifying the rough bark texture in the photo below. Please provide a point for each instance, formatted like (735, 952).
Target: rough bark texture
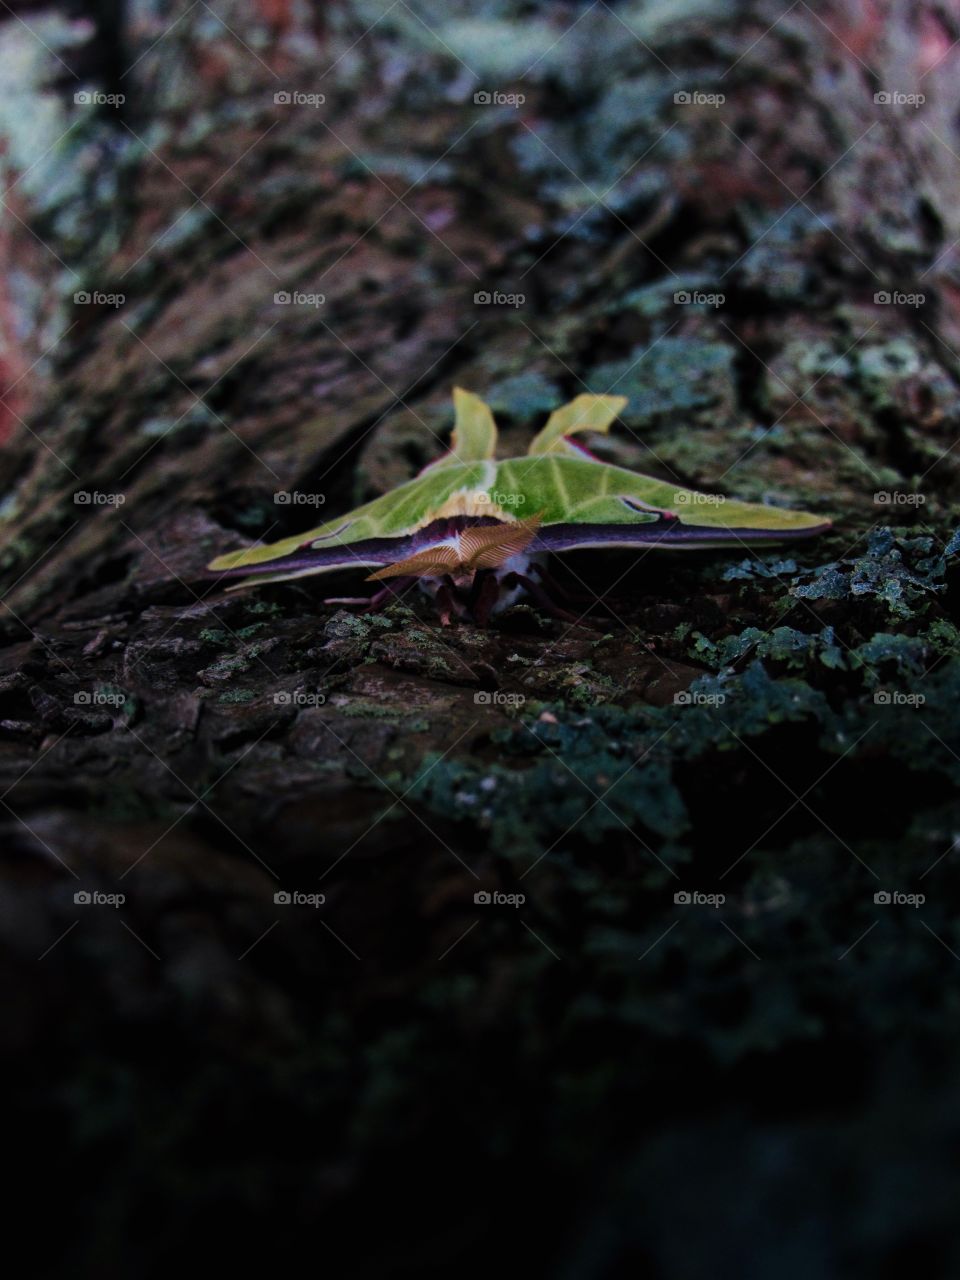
(780, 730)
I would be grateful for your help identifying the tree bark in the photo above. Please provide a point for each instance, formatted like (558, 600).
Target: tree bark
(199, 753)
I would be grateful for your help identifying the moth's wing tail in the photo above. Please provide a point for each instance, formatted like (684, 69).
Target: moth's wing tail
(474, 436)
(584, 413)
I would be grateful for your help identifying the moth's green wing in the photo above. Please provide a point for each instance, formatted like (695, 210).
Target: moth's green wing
(572, 491)
(568, 490)
(474, 437)
(585, 413)
(393, 515)
(467, 466)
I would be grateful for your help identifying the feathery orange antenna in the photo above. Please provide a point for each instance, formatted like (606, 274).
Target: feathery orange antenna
(481, 547)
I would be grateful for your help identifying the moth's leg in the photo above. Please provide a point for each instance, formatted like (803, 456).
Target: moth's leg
(541, 597)
(483, 596)
(395, 587)
(446, 602)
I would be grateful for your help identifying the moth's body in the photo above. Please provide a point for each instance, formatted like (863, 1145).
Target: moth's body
(469, 516)
(514, 570)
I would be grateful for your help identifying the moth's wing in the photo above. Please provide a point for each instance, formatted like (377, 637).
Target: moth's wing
(566, 489)
(623, 507)
(367, 537)
(602, 505)
(670, 535)
(474, 437)
(585, 413)
(305, 562)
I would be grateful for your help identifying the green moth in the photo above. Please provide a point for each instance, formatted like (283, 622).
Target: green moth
(470, 527)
